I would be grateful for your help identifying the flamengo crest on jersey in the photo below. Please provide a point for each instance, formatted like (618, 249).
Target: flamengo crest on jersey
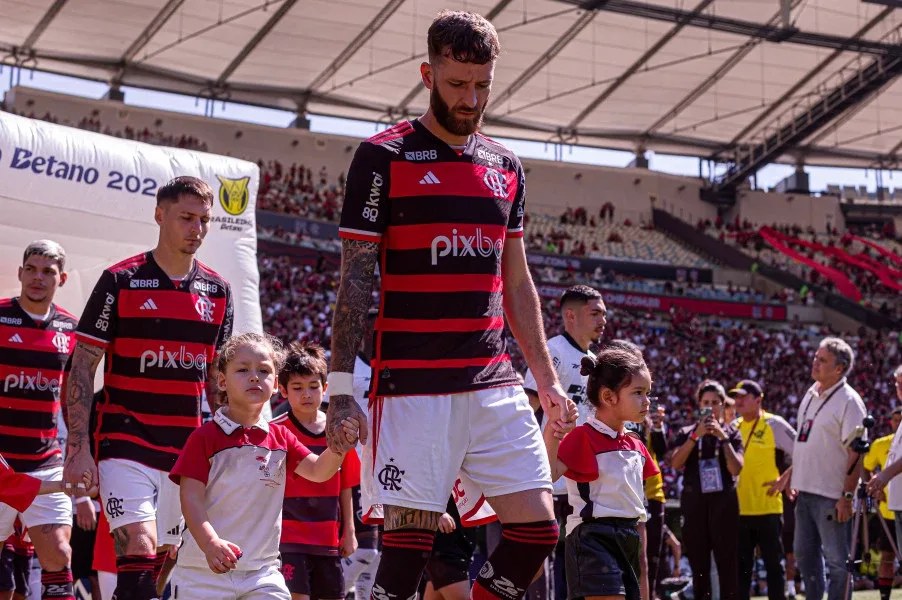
(160, 338)
(33, 361)
(441, 219)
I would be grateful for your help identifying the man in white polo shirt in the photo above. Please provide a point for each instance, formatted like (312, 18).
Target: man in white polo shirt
(825, 471)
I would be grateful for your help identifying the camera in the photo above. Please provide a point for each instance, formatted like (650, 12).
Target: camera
(704, 413)
(856, 441)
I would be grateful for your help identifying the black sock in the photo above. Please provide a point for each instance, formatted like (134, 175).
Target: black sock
(885, 586)
(135, 580)
(404, 556)
(57, 585)
(510, 569)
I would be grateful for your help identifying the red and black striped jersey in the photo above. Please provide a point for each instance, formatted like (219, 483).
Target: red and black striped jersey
(311, 512)
(441, 218)
(160, 337)
(33, 362)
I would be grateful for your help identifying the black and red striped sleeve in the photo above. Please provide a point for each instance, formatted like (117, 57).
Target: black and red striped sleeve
(17, 489)
(99, 320)
(518, 210)
(364, 215)
(225, 329)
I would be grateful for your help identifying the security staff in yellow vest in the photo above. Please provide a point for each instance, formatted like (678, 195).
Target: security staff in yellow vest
(768, 441)
(874, 461)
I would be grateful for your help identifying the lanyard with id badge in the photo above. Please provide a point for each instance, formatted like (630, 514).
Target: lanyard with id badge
(807, 424)
(709, 469)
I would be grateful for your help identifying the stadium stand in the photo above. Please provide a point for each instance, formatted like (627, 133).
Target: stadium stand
(297, 295)
(624, 240)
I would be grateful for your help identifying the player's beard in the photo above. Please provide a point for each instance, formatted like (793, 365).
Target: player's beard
(442, 113)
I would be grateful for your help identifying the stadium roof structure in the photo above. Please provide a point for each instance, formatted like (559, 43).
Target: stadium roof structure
(742, 81)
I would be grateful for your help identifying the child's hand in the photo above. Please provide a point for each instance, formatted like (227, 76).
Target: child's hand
(348, 544)
(446, 523)
(85, 488)
(222, 555)
(563, 421)
(351, 428)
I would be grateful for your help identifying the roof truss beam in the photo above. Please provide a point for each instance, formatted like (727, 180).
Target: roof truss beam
(854, 90)
(788, 94)
(415, 90)
(631, 70)
(154, 27)
(357, 43)
(252, 44)
(42, 25)
(743, 28)
(532, 70)
(734, 59)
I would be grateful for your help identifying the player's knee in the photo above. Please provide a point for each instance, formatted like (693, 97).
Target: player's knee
(56, 557)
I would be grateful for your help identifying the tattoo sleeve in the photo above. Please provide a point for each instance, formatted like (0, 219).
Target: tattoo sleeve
(80, 394)
(397, 517)
(358, 267)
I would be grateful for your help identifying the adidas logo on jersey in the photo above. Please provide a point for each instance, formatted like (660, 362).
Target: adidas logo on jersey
(149, 305)
(429, 179)
(16, 338)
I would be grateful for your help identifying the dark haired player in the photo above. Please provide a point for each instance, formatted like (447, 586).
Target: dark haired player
(585, 316)
(159, 318)
(442, 207)
(36, 339)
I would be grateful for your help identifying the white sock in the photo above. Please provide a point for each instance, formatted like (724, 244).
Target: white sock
(790, 588)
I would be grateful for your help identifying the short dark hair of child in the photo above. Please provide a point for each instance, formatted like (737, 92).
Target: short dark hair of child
(304, 360)
(612, 368)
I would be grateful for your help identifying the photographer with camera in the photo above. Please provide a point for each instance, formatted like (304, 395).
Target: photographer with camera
(713, 456)
(825, 470)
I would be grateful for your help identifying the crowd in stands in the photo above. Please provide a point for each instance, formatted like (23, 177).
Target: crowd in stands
(611, 280)
(297, 299)
(576, 234)
(155, 137)
(681, 349)
(295, 191)
(874, 292)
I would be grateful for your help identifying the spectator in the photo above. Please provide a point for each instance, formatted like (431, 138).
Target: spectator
(712, 456)
(824, 471)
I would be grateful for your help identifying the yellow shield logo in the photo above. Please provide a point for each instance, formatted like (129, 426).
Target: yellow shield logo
(233, 194)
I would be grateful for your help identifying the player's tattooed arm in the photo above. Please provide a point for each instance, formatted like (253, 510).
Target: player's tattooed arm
(355, 296)
(79, 399)
(358, 269)
(398, 517)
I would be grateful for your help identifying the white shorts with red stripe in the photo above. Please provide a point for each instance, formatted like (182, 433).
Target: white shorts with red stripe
(422, 449)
